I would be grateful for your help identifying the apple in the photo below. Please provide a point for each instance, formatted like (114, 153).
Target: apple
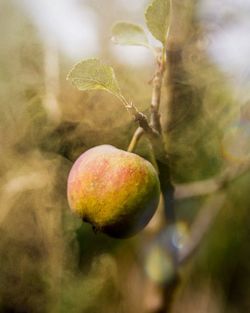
(114, 190)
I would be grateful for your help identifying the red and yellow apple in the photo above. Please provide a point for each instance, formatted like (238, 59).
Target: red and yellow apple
(114, 190)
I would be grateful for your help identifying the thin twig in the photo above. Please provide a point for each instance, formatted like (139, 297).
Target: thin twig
(144, 124)
(156, 93)
(138, 117)
(153, 129)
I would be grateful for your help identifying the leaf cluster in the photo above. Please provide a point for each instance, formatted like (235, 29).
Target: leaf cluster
(92, 74)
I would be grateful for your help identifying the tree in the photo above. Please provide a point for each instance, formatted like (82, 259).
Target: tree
(170, 23)
(193, 256)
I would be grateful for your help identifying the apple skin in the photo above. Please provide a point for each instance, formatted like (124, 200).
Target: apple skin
(114, 190)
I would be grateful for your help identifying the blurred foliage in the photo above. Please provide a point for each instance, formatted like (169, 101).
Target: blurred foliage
(50, 261)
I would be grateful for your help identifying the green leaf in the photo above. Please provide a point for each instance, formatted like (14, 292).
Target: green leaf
(124, 33)
(156, 16)
(92, 74)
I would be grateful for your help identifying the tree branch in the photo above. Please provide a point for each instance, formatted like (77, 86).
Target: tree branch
(144, 124)
(205, 187)
(210, 209)
(201, 225)
(152, 129)
(156, 92)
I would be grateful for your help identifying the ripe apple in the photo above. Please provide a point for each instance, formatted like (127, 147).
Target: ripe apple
(114, 190)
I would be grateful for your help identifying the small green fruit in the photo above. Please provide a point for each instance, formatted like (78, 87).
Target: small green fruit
(114, 190)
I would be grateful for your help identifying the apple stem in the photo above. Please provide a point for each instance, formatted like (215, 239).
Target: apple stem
(135, 139)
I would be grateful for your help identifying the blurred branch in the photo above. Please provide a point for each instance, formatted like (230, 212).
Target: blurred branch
(201, 225)
(209, 186)
(195, 189)
(174, 102)
(210, 209)
(51, 74)
(17, 185)
(178, 25)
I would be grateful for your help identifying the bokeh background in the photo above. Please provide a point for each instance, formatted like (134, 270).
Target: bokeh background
(49, 260)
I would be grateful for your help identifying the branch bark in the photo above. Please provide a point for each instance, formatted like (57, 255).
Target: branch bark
(152, 129)
(156, 92)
